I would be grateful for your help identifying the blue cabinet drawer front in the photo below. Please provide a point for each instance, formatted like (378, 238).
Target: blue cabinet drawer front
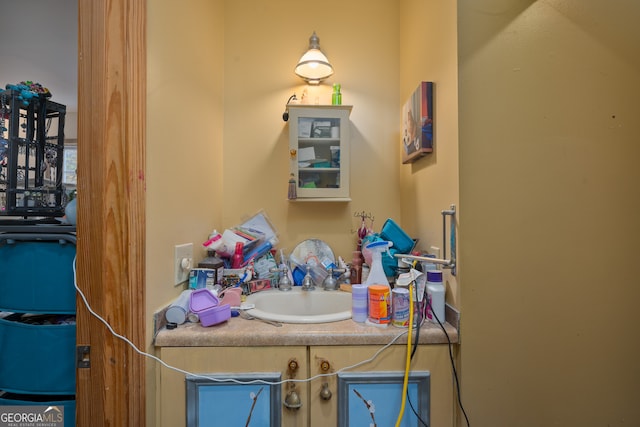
(69, 403)
(37, 275)
(37, 358)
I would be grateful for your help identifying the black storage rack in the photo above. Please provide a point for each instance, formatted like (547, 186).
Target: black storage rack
(31, 155)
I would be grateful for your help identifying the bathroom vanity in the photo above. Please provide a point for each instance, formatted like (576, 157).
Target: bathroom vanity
(251, 349)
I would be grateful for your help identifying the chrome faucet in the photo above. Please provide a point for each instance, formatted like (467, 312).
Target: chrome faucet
(307, 281)
(284, 284)
(330, 283)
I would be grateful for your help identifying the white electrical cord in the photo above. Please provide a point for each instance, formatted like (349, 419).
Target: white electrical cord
(214, 379)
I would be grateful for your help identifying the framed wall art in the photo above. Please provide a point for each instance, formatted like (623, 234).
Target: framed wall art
(374, 399)
(417, 124)
(252, 401)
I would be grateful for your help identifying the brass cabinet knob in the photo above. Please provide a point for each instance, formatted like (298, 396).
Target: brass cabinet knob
(325, 366)
(293, 365)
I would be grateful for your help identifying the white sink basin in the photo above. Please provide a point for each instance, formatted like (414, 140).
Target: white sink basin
(297, 306)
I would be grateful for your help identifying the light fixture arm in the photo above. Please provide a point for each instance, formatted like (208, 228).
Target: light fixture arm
(285, 115)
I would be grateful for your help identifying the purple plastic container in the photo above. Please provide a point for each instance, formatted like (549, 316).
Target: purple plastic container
(205, 304)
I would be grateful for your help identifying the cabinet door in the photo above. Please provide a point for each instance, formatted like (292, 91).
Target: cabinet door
(234, 400)
(319, 151)
(227, 360)
(431, 358)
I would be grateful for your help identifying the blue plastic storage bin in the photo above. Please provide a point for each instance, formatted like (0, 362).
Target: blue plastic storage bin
(37, 359)
(37, 273)
(391, 231)
(68, 402)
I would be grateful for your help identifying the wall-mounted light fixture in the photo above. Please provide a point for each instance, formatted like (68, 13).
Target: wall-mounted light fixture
(285, 115)
(314, 66)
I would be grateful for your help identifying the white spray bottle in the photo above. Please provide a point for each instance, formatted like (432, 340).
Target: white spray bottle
(376, 275)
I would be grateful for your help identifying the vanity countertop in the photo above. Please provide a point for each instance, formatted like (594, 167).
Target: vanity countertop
(238, 332)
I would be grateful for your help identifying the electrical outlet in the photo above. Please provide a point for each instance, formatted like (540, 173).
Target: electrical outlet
(182, 262)
(434, 250)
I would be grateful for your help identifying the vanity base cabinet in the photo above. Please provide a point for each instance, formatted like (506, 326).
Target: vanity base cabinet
(433, 359)
(226, 361)
(316, 409)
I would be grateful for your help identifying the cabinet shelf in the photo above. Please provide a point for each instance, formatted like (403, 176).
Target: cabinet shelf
(318, 140)
(318, 169)
(321, 199)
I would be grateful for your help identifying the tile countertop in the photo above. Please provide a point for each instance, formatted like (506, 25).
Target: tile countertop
(238, 332)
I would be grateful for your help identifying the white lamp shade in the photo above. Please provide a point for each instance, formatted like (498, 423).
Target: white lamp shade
(314, 66)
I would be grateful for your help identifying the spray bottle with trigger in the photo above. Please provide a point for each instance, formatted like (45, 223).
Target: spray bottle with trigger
(376, 275)
(378, 287)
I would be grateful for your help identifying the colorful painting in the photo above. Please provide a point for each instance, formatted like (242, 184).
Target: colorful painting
(417, 124)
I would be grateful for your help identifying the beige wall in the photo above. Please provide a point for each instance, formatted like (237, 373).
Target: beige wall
(217, 146)
(549, 209)
(263, 41)
(184, 146)
(184, 142)
(428, 52)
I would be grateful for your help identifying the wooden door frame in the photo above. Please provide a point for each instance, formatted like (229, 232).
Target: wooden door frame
(111, 209)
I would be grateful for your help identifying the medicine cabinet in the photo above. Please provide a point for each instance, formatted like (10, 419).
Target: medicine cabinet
(319, 152)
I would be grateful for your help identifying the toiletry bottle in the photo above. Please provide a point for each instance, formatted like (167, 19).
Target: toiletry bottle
(418, 279)
(356, 268)
(365, 273)
(427, 265)
(336, 97)
(376, 274)
(435, 296)
(236, 260)
(214, 263)
(214, 242)
(359, 303)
